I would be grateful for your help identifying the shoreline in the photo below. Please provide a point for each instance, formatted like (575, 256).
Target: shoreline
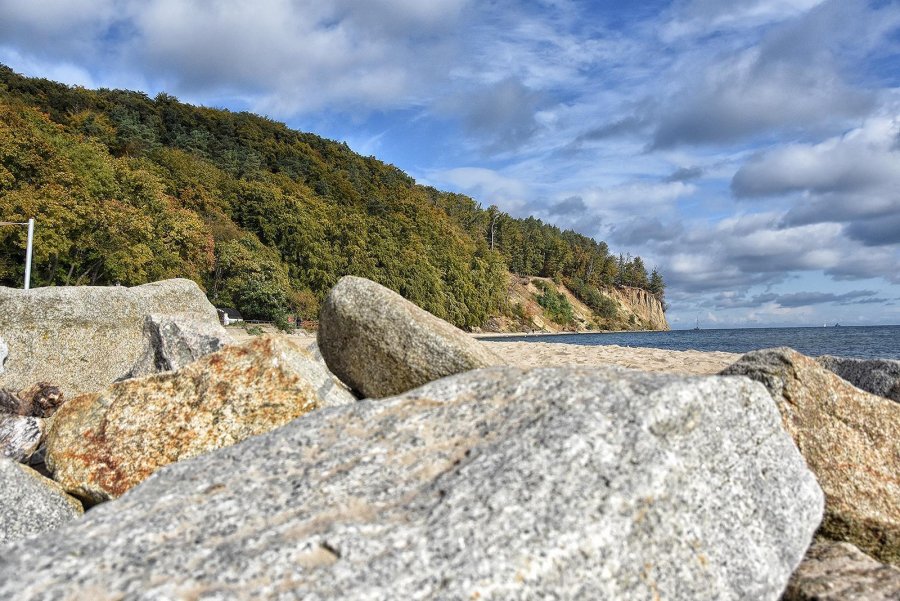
(480, 335)
(533, 353)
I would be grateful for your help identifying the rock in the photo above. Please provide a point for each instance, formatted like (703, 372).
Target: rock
(4, 352)
(335, 389)
(850, 440)
(173, 341)
(102, 444)
(41, 400)
(20, 436)
(878, 376)
(381, 344)
(83, 338)
(563, 483)
(835, 571)
(31, 504)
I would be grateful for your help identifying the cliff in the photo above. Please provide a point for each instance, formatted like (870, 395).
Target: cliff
(635, 309)
(647, 310)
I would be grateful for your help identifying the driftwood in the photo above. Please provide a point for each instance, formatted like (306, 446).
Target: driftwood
(40, 400)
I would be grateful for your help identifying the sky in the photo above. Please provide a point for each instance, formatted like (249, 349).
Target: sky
(749, 149)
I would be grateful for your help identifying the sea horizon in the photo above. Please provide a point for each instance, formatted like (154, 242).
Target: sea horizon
(881, 342)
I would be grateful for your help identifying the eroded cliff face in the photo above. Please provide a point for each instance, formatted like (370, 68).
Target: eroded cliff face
(643, 305)
(636, 309)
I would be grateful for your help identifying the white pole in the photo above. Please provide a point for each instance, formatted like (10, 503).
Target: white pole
(28, 254)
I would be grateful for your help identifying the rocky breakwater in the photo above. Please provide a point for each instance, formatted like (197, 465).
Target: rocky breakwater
(102, 444)
(82, 338)
(494, 483)
(499, 483)
(850, 440)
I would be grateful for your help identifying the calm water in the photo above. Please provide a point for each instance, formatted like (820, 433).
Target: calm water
(847, 341)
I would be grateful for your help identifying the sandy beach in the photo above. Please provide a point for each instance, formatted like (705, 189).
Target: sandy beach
(547, 354)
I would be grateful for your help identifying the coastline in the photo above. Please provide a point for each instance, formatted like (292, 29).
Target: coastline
(548, 354)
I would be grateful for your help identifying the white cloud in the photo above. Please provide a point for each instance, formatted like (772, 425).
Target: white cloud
(865, 159)
(488, 185)
(695, 17)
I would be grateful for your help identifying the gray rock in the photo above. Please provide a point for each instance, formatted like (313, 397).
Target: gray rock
(82, 338)
(381, 344)
(333, 391)
(173, 341)
(4, 352)
(31, 504)
(503, 483)
(20, 436)
(833, 571)
(878, 376)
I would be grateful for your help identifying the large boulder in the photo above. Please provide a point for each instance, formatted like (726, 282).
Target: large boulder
(381, 344)
(31, 504)
(173, 341)
(83, 338)
(20, 436)
(560, 483)
(878, 376)
(102, 444)
(833, 571)
(850, 440)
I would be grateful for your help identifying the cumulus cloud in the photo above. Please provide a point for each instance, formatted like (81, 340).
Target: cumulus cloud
(488, 185)
(752, 250)
(501, 114)
(796, 79)
(641, 230)
(851, 179)
(573, 205)
(864, 159)
(284, 56)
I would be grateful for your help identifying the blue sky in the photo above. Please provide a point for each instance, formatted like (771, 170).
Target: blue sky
(749, 149)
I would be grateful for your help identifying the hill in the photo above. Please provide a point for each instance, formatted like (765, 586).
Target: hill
(128, 189)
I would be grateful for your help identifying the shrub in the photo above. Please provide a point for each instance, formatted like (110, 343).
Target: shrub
(556, 306)
(600, 304)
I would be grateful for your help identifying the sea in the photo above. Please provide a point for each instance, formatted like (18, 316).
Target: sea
(881, 342)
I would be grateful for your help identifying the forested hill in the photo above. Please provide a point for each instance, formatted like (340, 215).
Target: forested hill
(128, 189)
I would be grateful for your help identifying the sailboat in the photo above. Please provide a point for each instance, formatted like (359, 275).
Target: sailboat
(697, 327)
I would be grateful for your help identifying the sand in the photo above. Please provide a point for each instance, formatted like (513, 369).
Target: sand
(546, 354)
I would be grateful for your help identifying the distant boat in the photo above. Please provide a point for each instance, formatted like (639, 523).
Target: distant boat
(697, 327)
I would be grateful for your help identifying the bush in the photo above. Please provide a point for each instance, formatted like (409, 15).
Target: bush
(556, 306)
(600, 304)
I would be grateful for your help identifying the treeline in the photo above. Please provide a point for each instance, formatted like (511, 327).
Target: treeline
(129, 189)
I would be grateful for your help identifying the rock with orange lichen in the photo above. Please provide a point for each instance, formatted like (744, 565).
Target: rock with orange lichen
(850, 440)
(102, 444)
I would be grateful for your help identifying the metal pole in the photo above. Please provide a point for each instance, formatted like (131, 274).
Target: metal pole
(28, 254)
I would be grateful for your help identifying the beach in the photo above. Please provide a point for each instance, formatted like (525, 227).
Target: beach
(548, 354)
